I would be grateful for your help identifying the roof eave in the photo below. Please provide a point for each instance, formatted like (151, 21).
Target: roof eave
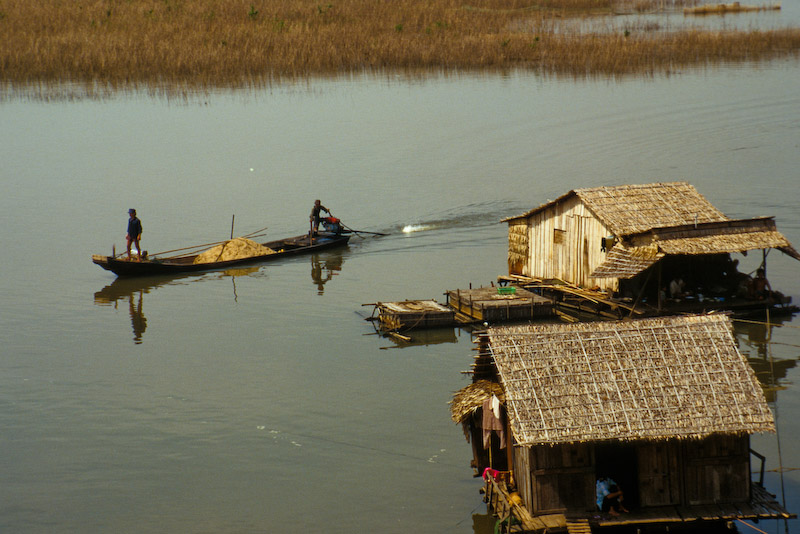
(543, 207)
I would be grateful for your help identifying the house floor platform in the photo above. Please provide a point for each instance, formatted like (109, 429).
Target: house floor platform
(763, 505)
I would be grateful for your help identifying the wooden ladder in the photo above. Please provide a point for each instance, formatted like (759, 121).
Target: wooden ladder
(579, 526)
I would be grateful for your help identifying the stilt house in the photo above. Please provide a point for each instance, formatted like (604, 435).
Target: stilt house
(664, 406)
(608, 238)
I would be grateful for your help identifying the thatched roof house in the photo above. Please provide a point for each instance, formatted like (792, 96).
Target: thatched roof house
(654, 379)
(665, 406)
(596, 236)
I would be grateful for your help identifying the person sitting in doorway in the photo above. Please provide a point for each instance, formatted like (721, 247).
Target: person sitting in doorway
(609, 497)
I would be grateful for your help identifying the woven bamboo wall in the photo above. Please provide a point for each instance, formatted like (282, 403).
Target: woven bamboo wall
(518, 246)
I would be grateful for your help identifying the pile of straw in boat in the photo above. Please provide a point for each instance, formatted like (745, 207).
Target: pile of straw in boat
(234, 249)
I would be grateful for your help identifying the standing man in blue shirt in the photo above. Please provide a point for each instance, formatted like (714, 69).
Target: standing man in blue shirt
(134, 233)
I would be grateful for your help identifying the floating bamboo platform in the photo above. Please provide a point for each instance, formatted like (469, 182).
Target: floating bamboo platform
(408, 314)
(491, 304)
(572, 303)
(734, 7)
(499, 304)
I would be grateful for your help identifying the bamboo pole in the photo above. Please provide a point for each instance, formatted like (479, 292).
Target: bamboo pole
(198, 246)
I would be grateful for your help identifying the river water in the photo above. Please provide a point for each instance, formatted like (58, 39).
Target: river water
(260, 400)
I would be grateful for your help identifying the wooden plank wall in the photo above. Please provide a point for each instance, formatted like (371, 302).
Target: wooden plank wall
(564, 243)
(717, 470)
(562, 478)
(659, 474)
(522, 475)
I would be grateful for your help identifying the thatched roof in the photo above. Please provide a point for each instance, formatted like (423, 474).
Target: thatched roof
(470, 398)
(627, 209)
(651, 379)
(639, 251)
(626, 262)
(719, 237)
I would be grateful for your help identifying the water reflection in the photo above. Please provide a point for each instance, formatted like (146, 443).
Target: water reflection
(755, 342)
(233, 273)
(324, 267)
(422, 338)
(132, 291)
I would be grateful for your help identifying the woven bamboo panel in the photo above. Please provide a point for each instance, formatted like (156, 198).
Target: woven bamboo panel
(670, 377)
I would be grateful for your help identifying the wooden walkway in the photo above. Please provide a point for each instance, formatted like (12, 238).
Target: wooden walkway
(573, 303)
(504, 506)
(503, 503)
(762, 505)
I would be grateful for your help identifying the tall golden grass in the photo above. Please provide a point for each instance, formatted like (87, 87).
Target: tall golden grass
(220, 43)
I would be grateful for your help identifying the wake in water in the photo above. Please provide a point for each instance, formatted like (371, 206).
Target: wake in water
(470, 216)
(411, 228)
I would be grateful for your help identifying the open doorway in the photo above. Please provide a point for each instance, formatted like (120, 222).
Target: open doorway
(619, 461)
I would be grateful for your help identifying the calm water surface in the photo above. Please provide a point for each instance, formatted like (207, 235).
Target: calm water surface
(260, 400)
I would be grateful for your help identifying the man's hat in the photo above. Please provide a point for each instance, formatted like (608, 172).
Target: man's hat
(131, 210)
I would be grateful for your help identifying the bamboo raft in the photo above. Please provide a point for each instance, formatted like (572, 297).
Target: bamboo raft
(407, 314)
(499, 304)
(734, 7)
(491, 304)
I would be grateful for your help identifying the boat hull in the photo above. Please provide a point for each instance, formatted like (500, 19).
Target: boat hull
(185, 264)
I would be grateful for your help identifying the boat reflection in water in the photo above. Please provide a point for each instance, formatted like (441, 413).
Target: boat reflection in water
(423, 338)
(324, 267)
(133, 290)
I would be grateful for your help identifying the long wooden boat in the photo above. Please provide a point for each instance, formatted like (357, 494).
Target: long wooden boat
(290, 246)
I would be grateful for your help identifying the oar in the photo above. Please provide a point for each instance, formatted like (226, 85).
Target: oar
(361, 231)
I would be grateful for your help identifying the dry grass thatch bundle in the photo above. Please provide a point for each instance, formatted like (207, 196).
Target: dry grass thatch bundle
(470, 398)
(653, 379)
(517, 241)
(234, 249)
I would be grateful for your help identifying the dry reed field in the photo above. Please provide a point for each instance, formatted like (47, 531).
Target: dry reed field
(225, 43)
